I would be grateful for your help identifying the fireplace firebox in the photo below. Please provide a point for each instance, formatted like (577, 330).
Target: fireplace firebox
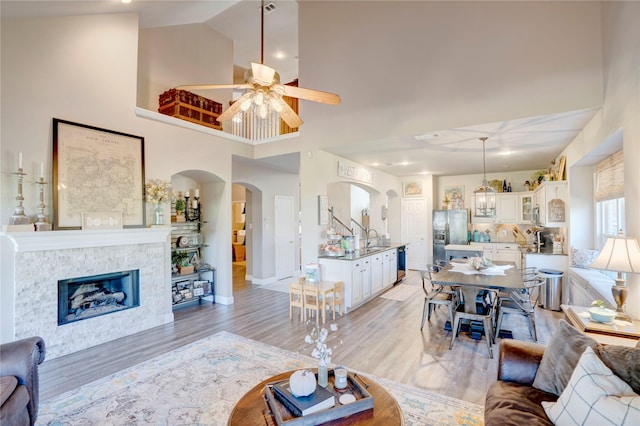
(91, 296)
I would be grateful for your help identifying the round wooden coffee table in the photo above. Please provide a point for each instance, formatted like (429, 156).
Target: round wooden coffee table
(252, 408)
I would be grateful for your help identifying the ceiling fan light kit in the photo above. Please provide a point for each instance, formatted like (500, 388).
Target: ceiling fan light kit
(484, 195)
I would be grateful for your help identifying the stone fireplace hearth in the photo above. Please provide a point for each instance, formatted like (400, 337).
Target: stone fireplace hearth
(35, 262)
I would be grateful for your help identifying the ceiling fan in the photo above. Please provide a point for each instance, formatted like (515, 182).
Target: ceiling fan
(265, 92)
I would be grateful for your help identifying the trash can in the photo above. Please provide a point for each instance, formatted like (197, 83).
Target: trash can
(552, 289)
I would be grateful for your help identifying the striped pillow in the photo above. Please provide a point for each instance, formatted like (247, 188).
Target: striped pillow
(594, 396)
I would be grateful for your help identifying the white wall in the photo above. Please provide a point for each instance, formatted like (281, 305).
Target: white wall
(261, 224)
(183, 54)
(620, 111)
(318, 169)
(84, 69)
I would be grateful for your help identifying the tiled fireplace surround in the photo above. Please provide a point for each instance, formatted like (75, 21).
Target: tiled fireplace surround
(40, 259)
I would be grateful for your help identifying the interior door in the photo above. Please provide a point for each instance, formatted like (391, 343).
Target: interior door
(285, 233)
(414, 231)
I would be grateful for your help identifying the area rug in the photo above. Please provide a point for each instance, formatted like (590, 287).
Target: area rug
(401, 292)
(198, 384)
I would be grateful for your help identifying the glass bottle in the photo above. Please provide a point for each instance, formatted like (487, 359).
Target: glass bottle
(504, 186)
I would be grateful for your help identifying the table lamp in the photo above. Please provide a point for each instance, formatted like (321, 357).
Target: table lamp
(622, 255)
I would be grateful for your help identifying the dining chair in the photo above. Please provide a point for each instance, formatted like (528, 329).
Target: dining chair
(436, 295)
(313, 301)
(296, 298)
(335, 299)
(527, 274)
(483, 312)
(523, 303)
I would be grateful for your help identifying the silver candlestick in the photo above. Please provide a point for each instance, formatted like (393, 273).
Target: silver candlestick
(42, 224)
(19, 218)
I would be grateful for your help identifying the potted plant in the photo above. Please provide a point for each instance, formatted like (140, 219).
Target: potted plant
(180, 210)
(181, 260)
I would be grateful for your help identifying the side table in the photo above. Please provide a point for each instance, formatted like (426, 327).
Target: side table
(252, 408)
(602, 333)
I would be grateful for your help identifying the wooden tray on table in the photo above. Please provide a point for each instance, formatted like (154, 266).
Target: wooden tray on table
(283, 416)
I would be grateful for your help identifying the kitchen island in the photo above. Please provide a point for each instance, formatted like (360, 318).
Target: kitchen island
(365, 273)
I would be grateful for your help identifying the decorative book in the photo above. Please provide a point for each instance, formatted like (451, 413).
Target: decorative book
(319, 400)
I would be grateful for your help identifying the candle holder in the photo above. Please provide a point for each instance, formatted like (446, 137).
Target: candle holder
(187, 217)
(196, 210)
(42, 224)
(19, 218)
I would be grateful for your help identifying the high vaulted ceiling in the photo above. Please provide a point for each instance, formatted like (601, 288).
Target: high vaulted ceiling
(522, 73)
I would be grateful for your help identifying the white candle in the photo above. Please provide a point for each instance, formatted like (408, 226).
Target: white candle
(186, 194)
(340, 378)
(195, 204)
(41, 169)
(197, 192)
(20, 160)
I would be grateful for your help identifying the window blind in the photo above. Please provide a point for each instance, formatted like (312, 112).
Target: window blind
(610, 177)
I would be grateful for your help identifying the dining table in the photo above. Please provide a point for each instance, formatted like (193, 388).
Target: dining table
(499, 276)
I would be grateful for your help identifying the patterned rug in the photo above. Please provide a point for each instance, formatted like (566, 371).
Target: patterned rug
(401, 292)
(198, 384)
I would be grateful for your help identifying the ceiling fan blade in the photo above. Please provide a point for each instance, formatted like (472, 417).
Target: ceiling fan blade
(262, 74)
(288, 115)
(234, 108)
(213, 86)
(312, 95)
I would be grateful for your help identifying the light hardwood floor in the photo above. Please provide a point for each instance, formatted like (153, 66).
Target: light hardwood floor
(382, 338)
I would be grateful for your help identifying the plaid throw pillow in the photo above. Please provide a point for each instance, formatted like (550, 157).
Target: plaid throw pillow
(594, 396)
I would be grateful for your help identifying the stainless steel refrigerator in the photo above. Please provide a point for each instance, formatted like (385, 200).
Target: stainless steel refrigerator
(449, 227)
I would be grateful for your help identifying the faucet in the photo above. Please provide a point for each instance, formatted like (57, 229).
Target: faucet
(368, 241)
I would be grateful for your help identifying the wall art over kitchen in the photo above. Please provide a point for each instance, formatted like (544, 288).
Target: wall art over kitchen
(96, 170)
(455, 195)
(412, 188)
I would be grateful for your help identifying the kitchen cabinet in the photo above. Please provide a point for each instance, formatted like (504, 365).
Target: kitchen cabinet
(511, 207)
(356, 284)
(377, 277)
(507, 207)
(525, 207)
(552, 202)
(508, 253)
(364, 277)
(505, 252)
(391, 265)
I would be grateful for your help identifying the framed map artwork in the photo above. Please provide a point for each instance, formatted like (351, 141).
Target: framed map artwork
(96, 170)
(455, 195)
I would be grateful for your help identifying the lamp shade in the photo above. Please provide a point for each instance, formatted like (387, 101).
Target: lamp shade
(619, 254)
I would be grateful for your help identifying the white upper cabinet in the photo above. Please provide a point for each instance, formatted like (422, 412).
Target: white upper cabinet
(525, 207)
(552, 202)
(507, 207)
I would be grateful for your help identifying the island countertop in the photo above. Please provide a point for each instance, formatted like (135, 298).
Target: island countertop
(359, 254)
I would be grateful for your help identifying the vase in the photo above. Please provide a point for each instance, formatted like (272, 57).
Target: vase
(323, 376)
(158, 215)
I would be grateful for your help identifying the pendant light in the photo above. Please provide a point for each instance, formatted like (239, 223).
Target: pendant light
(484, 196)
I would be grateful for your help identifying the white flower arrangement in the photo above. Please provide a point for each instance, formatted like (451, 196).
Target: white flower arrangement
(157, 191)
(321, 350)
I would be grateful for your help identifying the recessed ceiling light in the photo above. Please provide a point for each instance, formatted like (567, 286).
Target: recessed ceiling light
(426, 136)
(126, 1)
(280, 55)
